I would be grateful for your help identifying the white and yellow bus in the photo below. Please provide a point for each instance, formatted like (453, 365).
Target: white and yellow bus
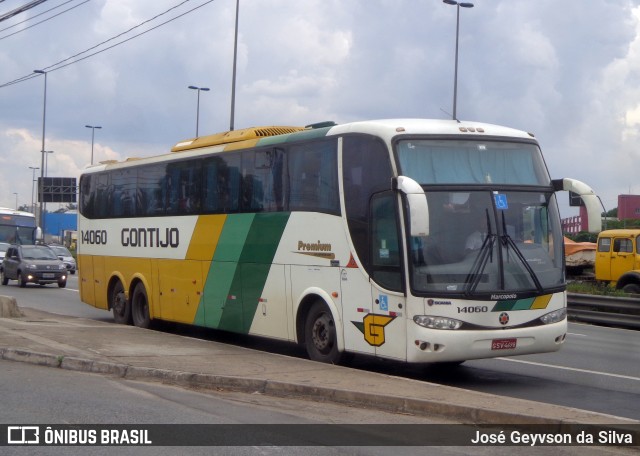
(414, 240)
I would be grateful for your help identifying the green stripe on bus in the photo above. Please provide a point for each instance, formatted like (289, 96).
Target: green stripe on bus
(239, 270)
(503, 305)
(513, 304)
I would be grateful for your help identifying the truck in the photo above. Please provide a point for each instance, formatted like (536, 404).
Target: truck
(618, 259)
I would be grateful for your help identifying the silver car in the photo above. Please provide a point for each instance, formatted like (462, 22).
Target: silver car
(65, 256)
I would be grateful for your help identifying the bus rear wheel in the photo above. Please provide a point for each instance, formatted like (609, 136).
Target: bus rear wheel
(119, 305)
(140, 307)
(320, 336)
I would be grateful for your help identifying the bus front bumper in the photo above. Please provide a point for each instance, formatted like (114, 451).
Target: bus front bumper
(433, 345)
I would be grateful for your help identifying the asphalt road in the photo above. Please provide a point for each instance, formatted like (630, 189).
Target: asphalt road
(596, 370)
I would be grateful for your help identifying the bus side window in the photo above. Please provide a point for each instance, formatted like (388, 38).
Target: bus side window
(385, 242)
(313, 174)
(211, 193)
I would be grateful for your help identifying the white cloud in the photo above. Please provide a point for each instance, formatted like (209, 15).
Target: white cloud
(568, 71)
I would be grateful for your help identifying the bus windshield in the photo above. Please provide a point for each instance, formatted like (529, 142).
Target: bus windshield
(17, 229)
(450, 161)
(488, 242)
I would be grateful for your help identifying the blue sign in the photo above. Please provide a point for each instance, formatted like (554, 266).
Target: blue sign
(501, 201)
(384, 302)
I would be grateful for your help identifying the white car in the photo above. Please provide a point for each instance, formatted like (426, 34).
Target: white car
(65, 256)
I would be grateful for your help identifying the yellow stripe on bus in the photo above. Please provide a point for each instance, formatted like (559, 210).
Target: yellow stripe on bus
(205, 237)
(541, 302)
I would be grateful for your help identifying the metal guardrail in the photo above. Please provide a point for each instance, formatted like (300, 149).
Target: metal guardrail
(607, 310)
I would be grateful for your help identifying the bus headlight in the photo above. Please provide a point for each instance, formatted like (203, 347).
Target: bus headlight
(431, 322)
(554, 317)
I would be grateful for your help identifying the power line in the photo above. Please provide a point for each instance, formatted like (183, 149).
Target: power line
(20, 9)
(37, 15)
(59, 65)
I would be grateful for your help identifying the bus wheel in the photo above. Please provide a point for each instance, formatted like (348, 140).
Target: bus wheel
(140, 307)
(320, 335)
(631, 288)
(119, 305)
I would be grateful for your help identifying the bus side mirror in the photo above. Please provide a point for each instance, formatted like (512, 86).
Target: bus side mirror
(417, 202)
(588, 197)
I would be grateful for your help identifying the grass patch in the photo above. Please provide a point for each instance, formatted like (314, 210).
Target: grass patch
(593, 288)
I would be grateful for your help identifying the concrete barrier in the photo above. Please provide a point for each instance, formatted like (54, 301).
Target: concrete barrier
(9, 307)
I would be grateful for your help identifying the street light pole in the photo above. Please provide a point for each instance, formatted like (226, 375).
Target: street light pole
(33, 180)
(199, 89)
(93, 131)
(458, 5)
(235, 60)
(44, 123)
(16, 200)
(46, 161)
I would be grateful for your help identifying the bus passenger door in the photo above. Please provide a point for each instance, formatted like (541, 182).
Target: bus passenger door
(357, 308)
(387, 326)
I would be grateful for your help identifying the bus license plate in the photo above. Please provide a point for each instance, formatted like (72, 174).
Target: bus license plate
(48, 275)
(503, 344)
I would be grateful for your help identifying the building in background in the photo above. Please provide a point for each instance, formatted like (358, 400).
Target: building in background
(628, 209)
(57, 223)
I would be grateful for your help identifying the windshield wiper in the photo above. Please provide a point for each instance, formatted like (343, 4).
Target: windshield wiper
(509, 242)
(480, 263)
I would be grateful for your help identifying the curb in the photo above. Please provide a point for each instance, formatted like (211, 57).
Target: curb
(389, 403)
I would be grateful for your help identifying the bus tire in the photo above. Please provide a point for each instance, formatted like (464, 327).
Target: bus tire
(119, 304)
(320, 336)
(140, 307)
(631, 288)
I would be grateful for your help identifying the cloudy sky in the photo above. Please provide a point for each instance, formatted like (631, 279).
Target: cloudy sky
(567, 71)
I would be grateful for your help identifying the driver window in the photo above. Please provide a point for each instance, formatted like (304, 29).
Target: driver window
(385, 242)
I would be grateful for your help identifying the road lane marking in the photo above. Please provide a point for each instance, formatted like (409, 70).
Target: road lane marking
(573, 369)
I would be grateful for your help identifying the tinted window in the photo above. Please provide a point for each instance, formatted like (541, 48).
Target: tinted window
(313, 176)
(154, 198)
(366, 170)
(385, 242)
(263, 180)
(121, 194)
(182, 181)
(296, 177)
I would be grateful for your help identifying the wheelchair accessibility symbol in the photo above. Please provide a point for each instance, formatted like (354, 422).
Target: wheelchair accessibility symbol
(501, 201)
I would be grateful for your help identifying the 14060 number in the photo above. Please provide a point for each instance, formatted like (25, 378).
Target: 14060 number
(94, 237)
